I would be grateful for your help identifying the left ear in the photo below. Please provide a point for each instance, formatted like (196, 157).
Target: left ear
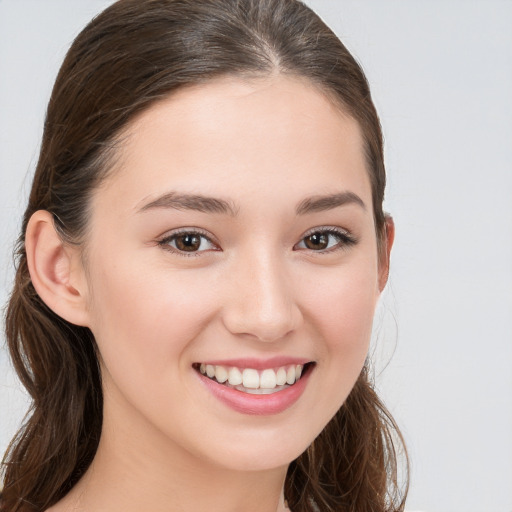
(385, 251)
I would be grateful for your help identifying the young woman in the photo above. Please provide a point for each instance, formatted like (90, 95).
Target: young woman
(198, 270)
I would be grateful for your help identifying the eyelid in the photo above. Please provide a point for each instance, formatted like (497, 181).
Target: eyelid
(164, 240)
(327, 229)
(347, 238)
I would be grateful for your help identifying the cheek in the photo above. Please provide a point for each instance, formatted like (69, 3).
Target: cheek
(341, 311)
(342, 304)
(338, 308)
(143, 321)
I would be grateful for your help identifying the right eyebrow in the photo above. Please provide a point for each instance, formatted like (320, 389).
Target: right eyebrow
(195, 202)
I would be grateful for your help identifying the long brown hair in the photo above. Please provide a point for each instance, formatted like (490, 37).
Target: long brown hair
(132, 55)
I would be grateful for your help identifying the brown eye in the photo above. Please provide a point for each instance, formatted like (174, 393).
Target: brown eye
(188, 242)
(317, 241)
(326, 240)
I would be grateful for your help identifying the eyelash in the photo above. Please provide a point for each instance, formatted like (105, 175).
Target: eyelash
(344, 240)
(166, 241)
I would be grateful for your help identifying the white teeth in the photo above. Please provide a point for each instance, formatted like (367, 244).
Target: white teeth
(221, 374)
(251, 378)
(290, 375)
(234, 376)
(281, 377)
(210, 370)
(261, 391)
(268, 379)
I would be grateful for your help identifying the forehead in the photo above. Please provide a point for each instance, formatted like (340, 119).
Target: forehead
(272, 136)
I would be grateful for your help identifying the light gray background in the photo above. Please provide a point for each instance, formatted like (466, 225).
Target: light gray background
(441, 76)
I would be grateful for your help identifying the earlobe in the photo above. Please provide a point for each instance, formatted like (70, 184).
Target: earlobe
(385, 251)
(55, 271)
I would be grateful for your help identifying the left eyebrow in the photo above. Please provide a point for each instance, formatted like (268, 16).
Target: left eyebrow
(323, 203)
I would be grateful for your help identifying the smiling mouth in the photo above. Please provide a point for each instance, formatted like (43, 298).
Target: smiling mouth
(252, 381)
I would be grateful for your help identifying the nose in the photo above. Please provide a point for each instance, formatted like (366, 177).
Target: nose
(262, 303)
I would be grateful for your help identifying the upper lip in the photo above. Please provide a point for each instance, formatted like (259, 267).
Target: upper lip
(258, 364)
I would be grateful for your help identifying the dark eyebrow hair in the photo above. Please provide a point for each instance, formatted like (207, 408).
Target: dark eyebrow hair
(322, 203)
(191, 202)
(206, 204)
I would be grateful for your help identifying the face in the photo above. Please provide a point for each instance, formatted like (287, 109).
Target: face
(235, 241)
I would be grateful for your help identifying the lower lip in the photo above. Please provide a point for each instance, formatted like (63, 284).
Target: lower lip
(257, 404)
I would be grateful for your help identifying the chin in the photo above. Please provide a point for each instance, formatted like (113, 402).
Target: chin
(261, 452)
